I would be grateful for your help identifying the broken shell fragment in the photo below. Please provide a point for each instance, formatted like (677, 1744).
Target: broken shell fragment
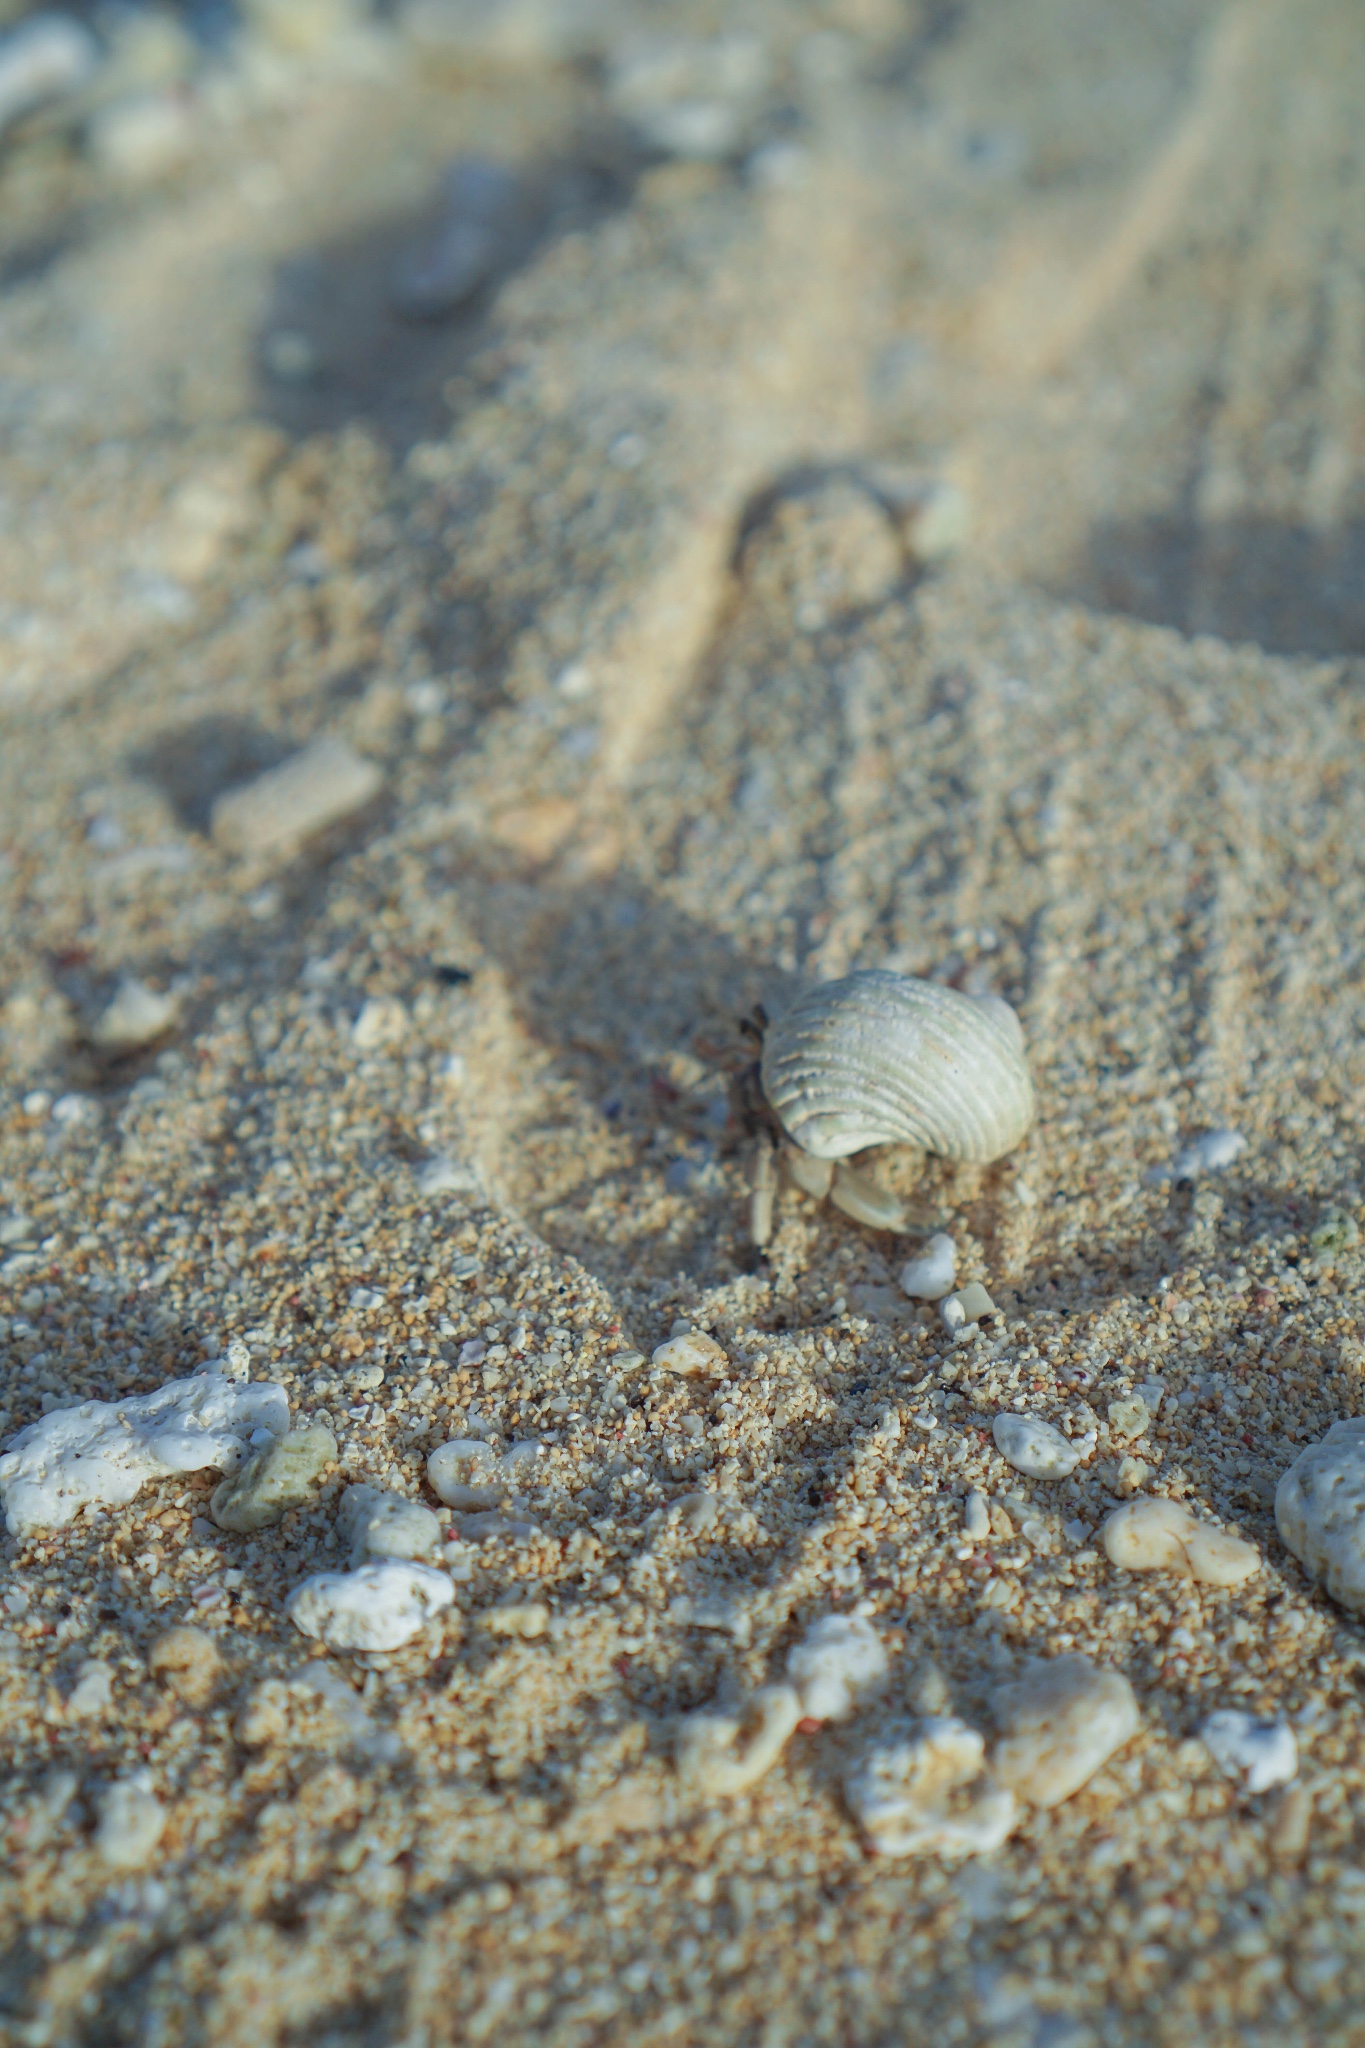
(814, 1177)
(693, 1355)
(761, 1194)
(884, 1059)
(1156, 1534)
(959, 1311)
(324, 784)
(720, 1754)
(274, 1479)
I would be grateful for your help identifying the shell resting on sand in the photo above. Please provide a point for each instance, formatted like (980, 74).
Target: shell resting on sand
(883, 1059)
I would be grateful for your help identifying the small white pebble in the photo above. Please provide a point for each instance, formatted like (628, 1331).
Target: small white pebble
(377, 1524)
(958, 1311)
(932, 1274)
(1209, 1154)
(1128, 1418)
(442, 1176)
(382, 1020)
(1034, 1447)
(1260, 1753)
(71, 1110)
(976, 1519)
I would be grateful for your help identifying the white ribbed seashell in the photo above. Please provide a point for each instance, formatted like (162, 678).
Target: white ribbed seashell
(883, 1059)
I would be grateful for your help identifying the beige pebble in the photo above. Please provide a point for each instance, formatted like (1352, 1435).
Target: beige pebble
(265, 1716)
(131, 1823)
(692, 1356)
(526, 1619)
(187, 1660)
(1291, 1824)
(273, 1480)
(976, 1519)
(697, 1511)
(92, 1696)
(383, 1020)
(1059, 1724)
(1161, 1535)
(137, 1016)
(328, 781)
(719, 1754)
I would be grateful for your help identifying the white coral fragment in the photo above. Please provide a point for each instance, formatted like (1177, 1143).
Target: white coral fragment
(1320, 1512)
(378, 1607)
(720, 1754)
(908, 1796)
(316, 788)
(104, 1452)
(839, 1663)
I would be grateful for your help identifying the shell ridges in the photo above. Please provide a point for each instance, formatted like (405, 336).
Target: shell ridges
(879, 1058)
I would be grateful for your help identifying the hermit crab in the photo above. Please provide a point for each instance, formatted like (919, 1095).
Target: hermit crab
(879, 1058)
